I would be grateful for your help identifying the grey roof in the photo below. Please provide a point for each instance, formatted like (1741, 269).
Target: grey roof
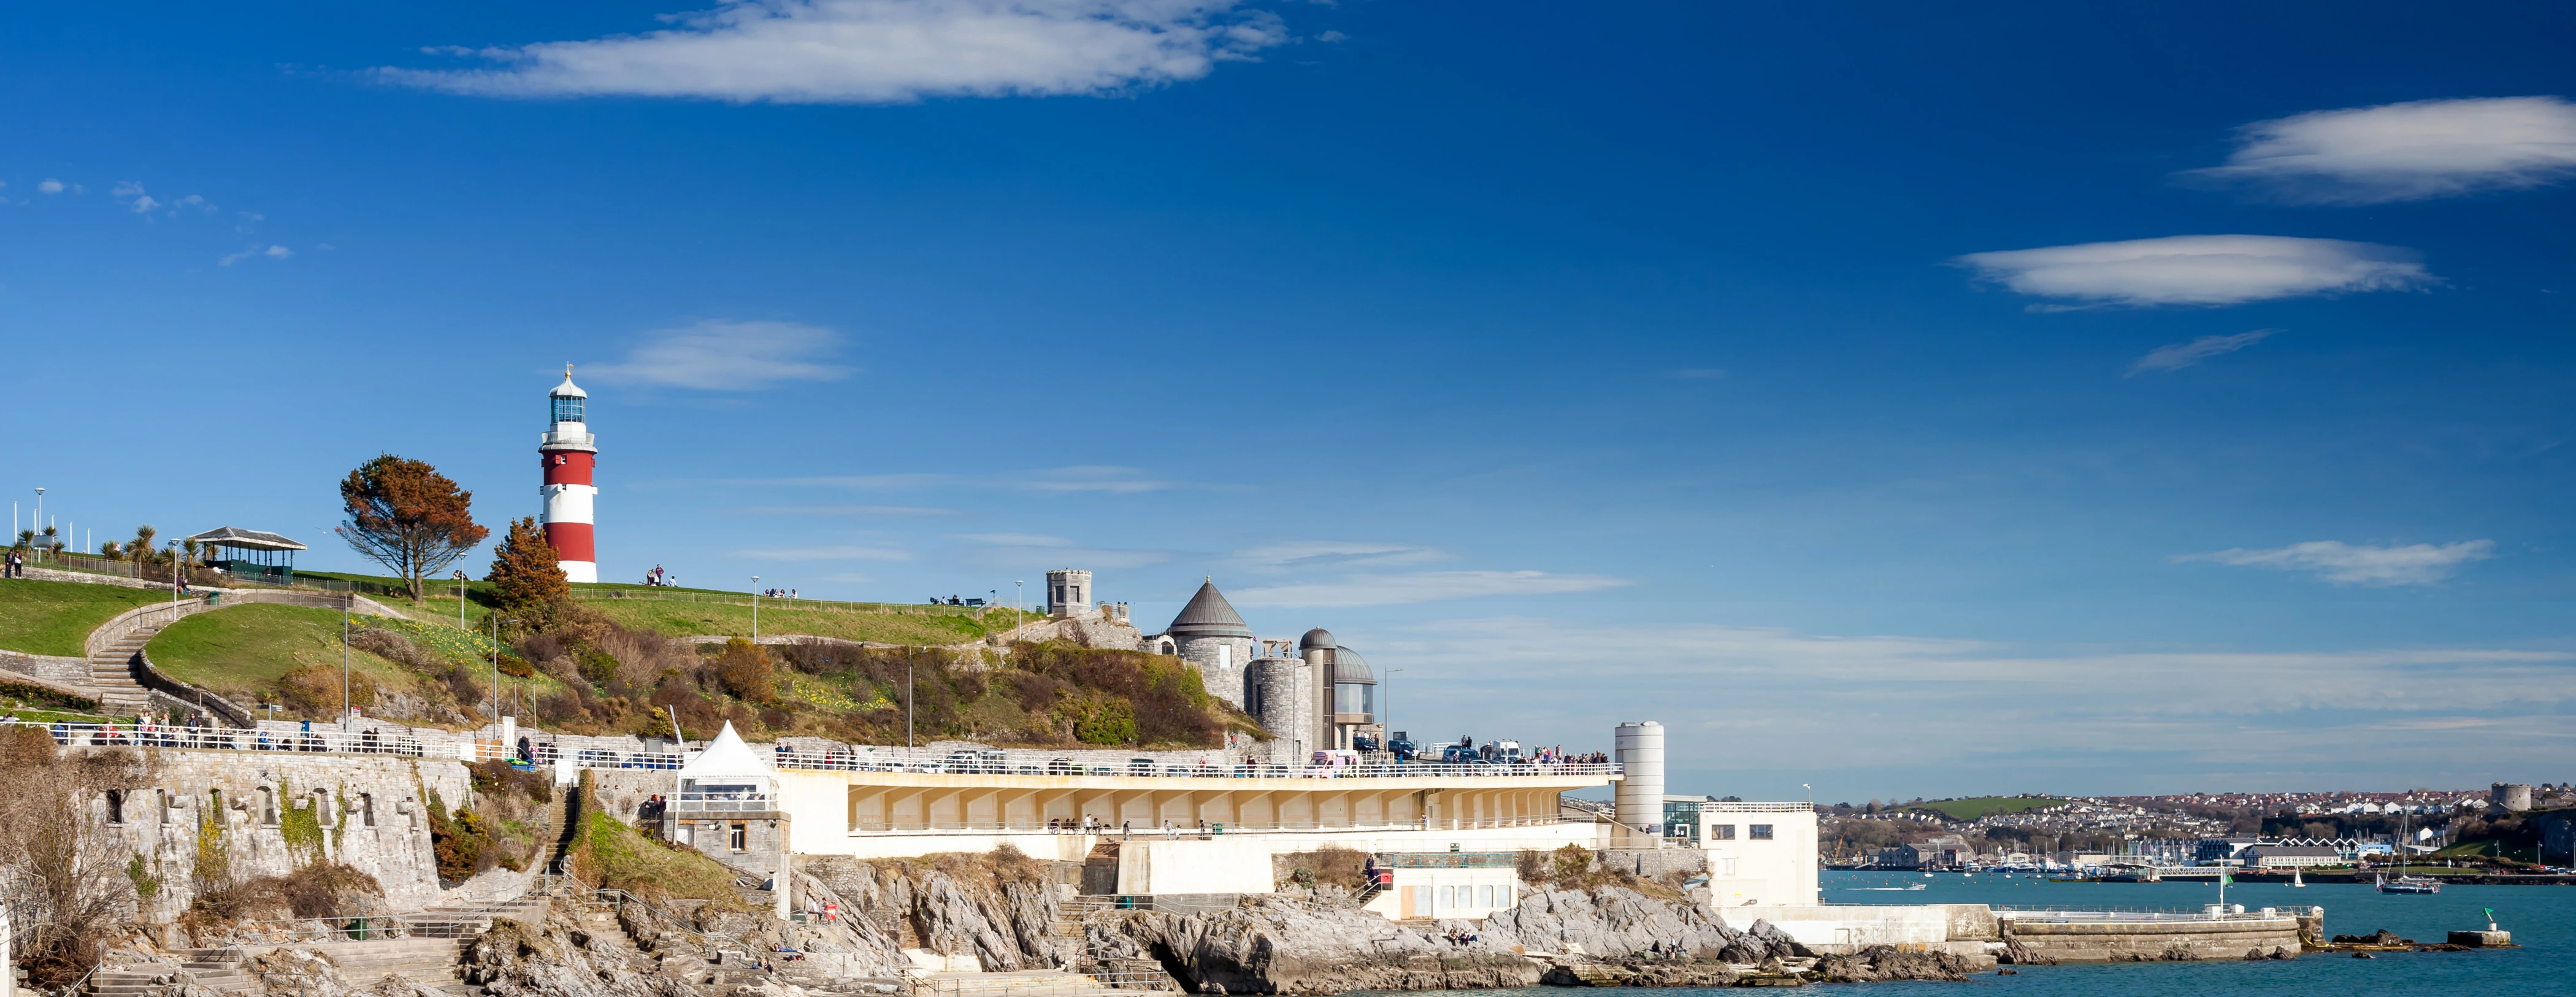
(1318, 637)
(1208, 615)
(2294, 851)
(231, 536)
(1350, 668)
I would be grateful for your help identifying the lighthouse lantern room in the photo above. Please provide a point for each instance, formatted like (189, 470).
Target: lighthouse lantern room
(569, 453)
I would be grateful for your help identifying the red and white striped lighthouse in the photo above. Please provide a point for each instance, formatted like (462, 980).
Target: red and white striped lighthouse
(569, 454)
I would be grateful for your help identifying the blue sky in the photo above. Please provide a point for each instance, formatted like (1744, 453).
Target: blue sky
(1896, 400)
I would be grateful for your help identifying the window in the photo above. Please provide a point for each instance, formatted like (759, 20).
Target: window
(116, 806)
(1421, 902)
(1721, 832)
(367, 808)
(1484, 894)
(1449, 898)
(1503, 894)
(740, 840)
(566, 409)
(1761, 832)
(1354, 697)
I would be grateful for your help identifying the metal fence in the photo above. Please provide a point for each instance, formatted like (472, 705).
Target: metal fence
(116, 735)
(766, 602)
(2095, 915)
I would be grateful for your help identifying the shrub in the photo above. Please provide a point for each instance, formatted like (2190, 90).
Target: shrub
(314, 690)
(744, 670)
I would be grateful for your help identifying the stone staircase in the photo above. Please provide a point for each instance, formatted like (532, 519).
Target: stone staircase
(111, 673)
(146, 980)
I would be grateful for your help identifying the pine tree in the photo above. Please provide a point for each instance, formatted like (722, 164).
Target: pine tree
(525, 579)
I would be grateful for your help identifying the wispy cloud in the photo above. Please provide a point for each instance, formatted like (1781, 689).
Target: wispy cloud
(272, 252)
(880, 51)
(1422, 586)
(723, 355)
(2404, 152)
(2176, 356)
(2359, 564)
(2198, 270)
(1091, 478)
(1312, 554)
(1771, 706)
(52, 186)
(1016, 539)
(825, 553)
(845, 510)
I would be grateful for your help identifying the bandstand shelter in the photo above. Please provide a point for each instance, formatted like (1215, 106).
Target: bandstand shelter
(250, 554)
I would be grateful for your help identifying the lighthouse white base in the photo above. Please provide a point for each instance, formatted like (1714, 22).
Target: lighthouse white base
(579, 571)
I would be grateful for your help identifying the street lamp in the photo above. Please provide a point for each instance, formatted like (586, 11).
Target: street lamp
(1019, 592)
(755, 609)
(1390, 707)
(39, 521)
(460, 600)
(345, 599)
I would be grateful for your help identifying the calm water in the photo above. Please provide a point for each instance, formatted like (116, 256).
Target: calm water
(2542, 919)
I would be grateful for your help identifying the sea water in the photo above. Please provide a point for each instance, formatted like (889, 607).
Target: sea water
(2542, 919)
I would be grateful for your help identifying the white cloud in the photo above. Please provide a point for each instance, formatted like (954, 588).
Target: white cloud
(1770, 704)
(826, 554)
(2359, 564)
(51, 186)
(1091, 478)
(1016, 539)
(2176, 356)
(1332, 36)
(2198, 270)
(720, 355)
(272, 252)
(845, 510)
(881, 51)
(2404, 152)
(1332, 554)
(1423, 586)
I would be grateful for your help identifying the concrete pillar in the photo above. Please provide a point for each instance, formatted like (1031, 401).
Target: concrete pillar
(1639, 800)
(783, 887)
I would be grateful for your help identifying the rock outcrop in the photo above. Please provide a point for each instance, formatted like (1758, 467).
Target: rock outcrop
(1879, 963)
(1004, 921)
(1287, 944)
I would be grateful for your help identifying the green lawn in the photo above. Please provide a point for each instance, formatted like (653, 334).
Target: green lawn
(244, 649)
(684, 619)
(1971, 809)
(55, 617)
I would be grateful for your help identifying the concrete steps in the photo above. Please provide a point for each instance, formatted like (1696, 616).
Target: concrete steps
(111, 672)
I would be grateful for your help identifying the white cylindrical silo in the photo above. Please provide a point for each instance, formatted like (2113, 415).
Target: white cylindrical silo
(1640, 796)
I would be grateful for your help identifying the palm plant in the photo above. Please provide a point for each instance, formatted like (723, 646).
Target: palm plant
(141, 548)
(111, 551)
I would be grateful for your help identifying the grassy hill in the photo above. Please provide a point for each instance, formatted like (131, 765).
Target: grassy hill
(680, 612)
(1983, 806)
(53, 618)
(247, 653)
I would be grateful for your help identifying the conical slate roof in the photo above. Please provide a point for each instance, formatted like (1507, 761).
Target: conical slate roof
(726, 758)
(1208, 615)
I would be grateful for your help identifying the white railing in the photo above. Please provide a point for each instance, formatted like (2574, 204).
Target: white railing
(336, 741)
(1194, 832)
(116, 735)
(704, 802)
(2056, 915)
(1756, 808)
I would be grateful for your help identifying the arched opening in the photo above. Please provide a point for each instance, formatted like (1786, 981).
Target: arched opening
(367, 808)
(116, 806)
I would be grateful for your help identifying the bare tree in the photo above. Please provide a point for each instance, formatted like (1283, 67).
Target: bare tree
(405, 515)
(63, 880)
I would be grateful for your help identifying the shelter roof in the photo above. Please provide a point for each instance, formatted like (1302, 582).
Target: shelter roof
(232, 536)
(727, 757)
(1350, 668)
(1209, 615)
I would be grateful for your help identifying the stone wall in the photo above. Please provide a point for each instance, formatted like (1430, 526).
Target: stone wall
(61, 671)
(1221, 662)
(2124, 941)
(268, 813)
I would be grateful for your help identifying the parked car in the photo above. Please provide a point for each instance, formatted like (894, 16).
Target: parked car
(1062, 766)
(1140, 766)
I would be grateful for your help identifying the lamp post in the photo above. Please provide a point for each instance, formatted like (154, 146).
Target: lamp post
(496, 671)
(1390, 708)
(460, 600)
(39, 521)
(1019, 592)
(755, 610)
(345, 599)
(907, 702)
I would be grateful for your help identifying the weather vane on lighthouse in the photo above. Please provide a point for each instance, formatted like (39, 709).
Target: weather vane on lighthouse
(569, 453)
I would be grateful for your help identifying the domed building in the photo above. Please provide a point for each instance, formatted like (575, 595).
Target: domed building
(1312, 695)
